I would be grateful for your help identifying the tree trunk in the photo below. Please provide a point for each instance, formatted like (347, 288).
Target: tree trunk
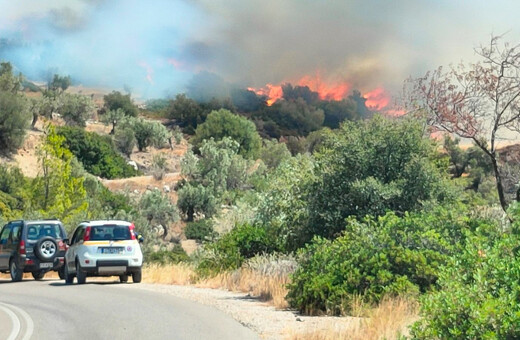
(500, 187)
(34, 120)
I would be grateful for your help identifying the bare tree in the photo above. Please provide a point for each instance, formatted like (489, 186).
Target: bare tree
(479, 101)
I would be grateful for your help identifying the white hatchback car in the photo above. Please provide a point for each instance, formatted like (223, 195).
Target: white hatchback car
(103, 248)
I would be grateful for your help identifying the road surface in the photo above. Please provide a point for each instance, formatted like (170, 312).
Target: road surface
(49, 309)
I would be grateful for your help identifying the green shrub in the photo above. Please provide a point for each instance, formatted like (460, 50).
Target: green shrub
(200, 230)
(229, 252)
(478, 294)
(376, 257)
(223, 123)
(96, 153)
(176, 255)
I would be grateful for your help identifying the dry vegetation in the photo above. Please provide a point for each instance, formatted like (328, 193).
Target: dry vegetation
(386, 321)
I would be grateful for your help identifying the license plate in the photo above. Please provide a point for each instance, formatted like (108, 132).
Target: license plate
(112, 250)
(46, 265)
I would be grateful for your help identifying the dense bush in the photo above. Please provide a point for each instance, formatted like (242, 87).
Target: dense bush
(96, 153)
(14, 120)
(371, 167)
(116, 100)
(478, 293)
(223, 123)
(196, 199)
(229, 252)
(389, 255)
(201, 230)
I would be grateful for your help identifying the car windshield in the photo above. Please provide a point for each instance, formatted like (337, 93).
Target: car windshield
(37, 231)
(110, 232)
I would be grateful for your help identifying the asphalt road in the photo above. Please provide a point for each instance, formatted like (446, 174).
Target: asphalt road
(49, 309)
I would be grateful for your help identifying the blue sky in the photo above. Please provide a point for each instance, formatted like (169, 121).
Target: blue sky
(155, 47)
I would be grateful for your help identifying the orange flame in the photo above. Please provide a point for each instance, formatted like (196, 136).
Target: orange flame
(377, 99)
(272, 92)
(336, 91)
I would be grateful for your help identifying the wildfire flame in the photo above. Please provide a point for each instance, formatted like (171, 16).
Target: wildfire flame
(376, 100)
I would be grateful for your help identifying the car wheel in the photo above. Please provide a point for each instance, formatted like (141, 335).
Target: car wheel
(136, 276)
(38, 275)
(69, 278)
(123, 278)
(16, 272)
(46, 249)
(81, 275)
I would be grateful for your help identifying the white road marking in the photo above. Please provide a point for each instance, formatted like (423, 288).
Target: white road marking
(14, 319)
(29, 324)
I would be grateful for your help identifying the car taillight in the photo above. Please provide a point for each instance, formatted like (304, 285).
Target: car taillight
(86, 237)
(62, 245)
(22, 247)
(132, 234)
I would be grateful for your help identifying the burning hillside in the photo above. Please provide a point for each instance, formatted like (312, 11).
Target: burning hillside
(376, 100)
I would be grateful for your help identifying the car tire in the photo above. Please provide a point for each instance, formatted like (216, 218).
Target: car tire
(69, 277)
(136, 276)
(38, 275)
(61, 272)
(123, 278)
(81, 275)
(15, 270)
(46, 248)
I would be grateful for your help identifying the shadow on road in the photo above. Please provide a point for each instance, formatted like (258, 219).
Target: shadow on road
(99, 283)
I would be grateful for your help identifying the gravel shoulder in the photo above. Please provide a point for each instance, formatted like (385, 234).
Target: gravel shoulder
(269, 323)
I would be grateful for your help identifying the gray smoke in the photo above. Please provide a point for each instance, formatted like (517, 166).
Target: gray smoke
(155, 47)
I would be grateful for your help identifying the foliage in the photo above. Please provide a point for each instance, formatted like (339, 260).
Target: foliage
(186, 112)
(370, 167)
(57, 193)
(294, 117)
(14, 120)
(158, 166)
(147, 133)
(201, 230)
(389, 255)
(478, 292)
(158, 210)
(273, 153)
(476, 101)
(218, 170)
(124, 140)
(96, 153)
(196, 199)
(112, 117)
(8, 81)
(76, 109)
(116, 100)
(282, 205)
(244, 241)
(223, 123)
(176, 255)
(59, 83)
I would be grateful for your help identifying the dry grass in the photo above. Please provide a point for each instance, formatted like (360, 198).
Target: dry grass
(171, 274)
(268, 288)
(389, 320)
(271, 289)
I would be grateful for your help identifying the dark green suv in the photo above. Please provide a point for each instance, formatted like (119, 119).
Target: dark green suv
(32, 247)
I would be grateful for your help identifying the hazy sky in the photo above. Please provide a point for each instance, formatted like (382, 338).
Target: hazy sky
(155, 47)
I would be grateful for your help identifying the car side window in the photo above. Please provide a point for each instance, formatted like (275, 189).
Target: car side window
(5, 234)
(15, 233)
(80, 234)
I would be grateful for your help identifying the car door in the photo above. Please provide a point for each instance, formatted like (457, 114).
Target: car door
(76, 240)
(4, 249)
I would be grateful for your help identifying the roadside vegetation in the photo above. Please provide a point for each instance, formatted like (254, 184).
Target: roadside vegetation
(319, 206)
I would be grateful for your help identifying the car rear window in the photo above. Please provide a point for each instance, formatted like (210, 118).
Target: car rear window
(110, 232)
(37, 231)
